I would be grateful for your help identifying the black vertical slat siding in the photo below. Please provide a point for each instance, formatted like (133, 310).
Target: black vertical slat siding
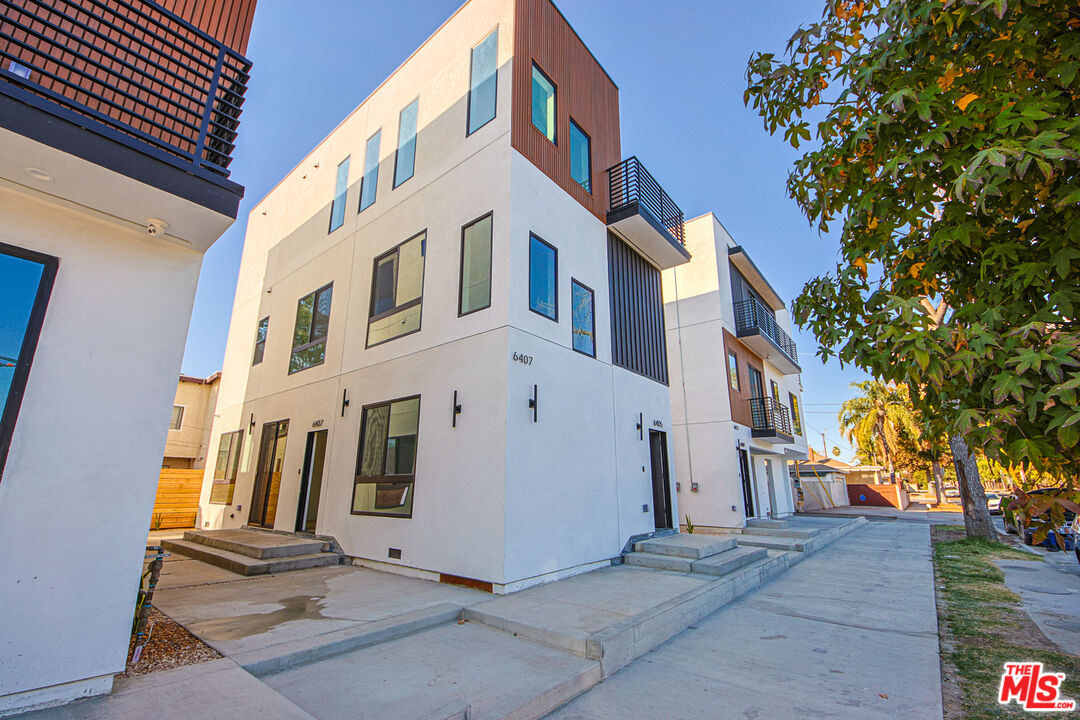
(638, 342)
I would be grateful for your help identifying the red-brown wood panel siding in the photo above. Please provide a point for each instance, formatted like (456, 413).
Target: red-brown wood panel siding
(740, 400)
(583, 91)
(226, 20)
(133, 64)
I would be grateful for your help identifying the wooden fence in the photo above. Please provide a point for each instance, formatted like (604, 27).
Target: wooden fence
(177, 501)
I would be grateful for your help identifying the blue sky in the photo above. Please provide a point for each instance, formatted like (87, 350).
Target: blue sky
(680, 71)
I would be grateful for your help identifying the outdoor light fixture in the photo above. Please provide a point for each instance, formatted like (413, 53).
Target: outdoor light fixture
(641, 426)
(344, 401)
(533, 403)
(251, 425)
(456, 410)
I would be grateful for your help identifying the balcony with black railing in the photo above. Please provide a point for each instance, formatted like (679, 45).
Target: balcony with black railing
(131, 71)
(770, 420)
(646, 216)
(756, 326)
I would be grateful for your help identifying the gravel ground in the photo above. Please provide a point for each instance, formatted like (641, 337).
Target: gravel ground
(170, 646)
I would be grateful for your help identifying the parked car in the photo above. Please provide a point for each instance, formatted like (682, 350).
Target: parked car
(952, 492)
(1061, 538)
(993, 503)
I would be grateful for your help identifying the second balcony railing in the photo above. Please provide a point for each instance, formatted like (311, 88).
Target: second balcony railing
(629, 183)
(768, 415)
(751, 315)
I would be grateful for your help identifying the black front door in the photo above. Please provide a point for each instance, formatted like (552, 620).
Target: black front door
(660, 484)
(307, 510)
(268, 474)
(747, 486)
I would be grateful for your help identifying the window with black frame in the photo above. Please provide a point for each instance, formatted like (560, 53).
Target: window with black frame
(483, 78)
(397, 291)
(312, 327)
(260, 340)
(228, 462)
(584, 320)
(26, 280)
(386, 460)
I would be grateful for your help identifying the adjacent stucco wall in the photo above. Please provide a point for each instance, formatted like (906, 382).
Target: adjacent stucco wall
(79, 484)
(698, 310)
(191, 441)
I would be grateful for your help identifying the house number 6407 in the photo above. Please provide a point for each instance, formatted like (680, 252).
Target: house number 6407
(523, 359)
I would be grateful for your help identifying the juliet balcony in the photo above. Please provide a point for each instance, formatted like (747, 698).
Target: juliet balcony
(770, 421)
(131, 71)
(756, 326)
(645, 216)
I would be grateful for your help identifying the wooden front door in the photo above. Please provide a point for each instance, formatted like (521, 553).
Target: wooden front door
(268, 474)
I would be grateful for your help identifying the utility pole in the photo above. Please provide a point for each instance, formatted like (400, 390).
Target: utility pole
(824, 450)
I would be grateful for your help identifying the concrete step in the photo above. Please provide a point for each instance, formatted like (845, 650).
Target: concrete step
(728, 562)
(454, 670)
(773, 542)
(658, 562)
(685, 545)
(765, 523)
(247, 565)
(255, 543)
(780, 532)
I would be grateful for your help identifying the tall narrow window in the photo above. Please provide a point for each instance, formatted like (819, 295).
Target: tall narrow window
(341, 190)
(312, 327)
(177, 420)
(733, 370)
(475, 293)
(543, 103)
(483, 79)
(405, 160)
(543, 278)
(260, 340)
(228, 462)
(397, 291)
(775, 389)
(580, 157)
(369, 185)
(386, 461)
(26, 280)
(584, 330)
(796, 416)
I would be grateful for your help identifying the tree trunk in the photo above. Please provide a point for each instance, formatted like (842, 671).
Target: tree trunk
(972, 496)
(939, 481)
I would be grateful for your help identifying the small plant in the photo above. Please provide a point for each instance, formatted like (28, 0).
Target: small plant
(156, 522)
(689, 525)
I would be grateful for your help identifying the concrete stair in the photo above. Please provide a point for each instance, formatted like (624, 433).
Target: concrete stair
(683, 545)
(772, 542)
(253, 552)
(729, 561)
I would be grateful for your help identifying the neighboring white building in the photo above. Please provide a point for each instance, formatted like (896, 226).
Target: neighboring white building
(116, 135)
(735, 386)
(447, 347)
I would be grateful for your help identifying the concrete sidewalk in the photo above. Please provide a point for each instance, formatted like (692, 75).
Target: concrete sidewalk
(851, 633)
(1050, 593)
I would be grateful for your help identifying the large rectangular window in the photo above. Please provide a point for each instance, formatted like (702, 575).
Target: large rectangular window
(260, 340)
(405, 159)
(228, 462)
(733, 370)
(312, 327)
(483, 79)
(177, 420)
(543, 103)
(26, 281)
(796, 416)
(397, 291)
(543, 278)
(584, 325)
(341, 191)
(369, 184)
(386, 461)
(580, 157)
(637, 312)
(475, 292)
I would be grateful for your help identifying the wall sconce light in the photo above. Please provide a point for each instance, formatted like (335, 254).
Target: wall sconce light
(641, 426)
(251, 425)
(534, 403)
(344, 401)
(456, 410)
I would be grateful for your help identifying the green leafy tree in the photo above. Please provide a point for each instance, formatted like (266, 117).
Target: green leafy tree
(945, 146)
(879, 421)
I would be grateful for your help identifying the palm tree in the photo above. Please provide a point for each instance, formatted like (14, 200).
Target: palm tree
(876, 420)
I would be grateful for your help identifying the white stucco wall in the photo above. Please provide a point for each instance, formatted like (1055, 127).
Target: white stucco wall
(80, 479)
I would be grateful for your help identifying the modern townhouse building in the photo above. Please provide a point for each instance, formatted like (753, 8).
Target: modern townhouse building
(735, 385)
(447, 344)
(117, 124)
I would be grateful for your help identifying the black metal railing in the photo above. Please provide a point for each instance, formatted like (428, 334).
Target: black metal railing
(629, 182)
(768, 415)
(752, 315)
(132, 66)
